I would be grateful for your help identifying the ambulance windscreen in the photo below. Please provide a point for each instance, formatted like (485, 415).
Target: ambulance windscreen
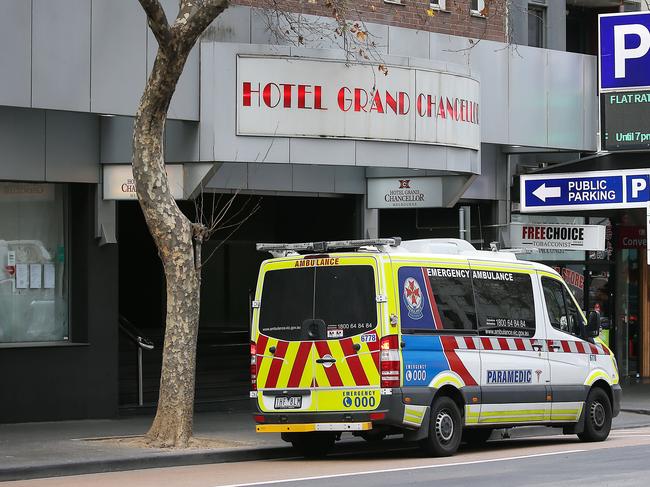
(318, 303)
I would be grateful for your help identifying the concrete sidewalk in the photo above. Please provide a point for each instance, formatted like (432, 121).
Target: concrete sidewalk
(32, 450)
(636, 396)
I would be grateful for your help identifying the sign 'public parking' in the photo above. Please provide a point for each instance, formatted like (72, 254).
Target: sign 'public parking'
(624, 50)
(596, 190)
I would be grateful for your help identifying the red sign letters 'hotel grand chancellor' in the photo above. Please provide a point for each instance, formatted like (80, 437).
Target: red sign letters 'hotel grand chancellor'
(278, 96)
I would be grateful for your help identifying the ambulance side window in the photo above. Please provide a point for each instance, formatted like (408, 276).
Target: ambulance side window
(436, 300)
(562, 311)
(453, 303)
(576, 322)
(505, 303)
(555, 306)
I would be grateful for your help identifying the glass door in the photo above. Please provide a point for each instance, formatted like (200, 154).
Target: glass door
(627, 312)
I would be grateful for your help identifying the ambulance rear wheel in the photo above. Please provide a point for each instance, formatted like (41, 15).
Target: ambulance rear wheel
(477, 436)
(598, 416)
(313, 445)
(445, 428)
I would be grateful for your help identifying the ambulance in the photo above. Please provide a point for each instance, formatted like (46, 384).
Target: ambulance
(430, 339)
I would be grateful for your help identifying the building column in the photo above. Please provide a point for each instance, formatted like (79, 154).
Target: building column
(644, 335)
(370, 220)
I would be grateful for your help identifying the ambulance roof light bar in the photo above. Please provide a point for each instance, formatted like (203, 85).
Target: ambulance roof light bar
(285, 249)
(494, 247)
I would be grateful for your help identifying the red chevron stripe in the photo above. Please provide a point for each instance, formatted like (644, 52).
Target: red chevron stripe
(566, 348)
(354, 362)
(580, 347)
(487, 344)
(374, 349)
(455, 363)
(276, 365)
(332, 374)
(299, 364)
(503, 343)
(262, 340)
(519, 343)
(469, 341)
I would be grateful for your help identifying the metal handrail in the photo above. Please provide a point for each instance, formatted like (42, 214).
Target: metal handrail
(141, 343)
(134, 334)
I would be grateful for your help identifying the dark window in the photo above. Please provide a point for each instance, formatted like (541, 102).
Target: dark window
(451, 306)
(536, 26)
(562, 311)
(287, 301)
(346, 299)
(505, 303)
(555, 307)
(318, 303)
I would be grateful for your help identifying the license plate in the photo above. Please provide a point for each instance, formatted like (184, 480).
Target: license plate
(288, 402)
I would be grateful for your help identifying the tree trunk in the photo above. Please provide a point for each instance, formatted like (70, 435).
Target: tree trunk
(172, 234)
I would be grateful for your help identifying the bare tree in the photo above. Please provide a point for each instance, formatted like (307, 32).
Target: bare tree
(173, 233)
(177, 239)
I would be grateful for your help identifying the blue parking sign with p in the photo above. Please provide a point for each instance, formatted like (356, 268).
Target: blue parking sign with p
(624, 50)
(637, 188)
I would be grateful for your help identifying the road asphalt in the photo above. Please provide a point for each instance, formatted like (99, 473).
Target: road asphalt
(535, 461)
(47, 449)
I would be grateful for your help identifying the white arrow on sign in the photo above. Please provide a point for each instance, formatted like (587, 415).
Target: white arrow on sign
(544, 192)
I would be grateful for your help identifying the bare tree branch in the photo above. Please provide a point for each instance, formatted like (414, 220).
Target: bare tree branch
(193, 18)
(235, 226)
(158, 22)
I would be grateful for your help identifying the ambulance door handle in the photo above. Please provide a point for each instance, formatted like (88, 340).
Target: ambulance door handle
(272, 349)
(537, 347)
(402, 344)
(555, 347)
(326, 361)
(356, 347)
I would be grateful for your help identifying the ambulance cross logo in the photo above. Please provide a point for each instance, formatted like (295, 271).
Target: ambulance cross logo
(538, 372)
(404, 183)
(412, 296)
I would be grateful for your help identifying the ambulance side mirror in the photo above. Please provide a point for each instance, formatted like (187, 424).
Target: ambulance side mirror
(593, 324)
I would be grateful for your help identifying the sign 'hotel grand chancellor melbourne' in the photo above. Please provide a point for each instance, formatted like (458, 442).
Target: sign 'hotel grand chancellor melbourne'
(289, 97)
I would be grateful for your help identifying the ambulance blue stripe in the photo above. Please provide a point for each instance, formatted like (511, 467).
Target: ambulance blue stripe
(423, 359)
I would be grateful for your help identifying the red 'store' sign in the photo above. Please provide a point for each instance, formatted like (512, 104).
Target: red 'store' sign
(279, 96)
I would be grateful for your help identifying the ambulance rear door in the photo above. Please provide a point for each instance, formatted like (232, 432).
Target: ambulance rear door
(283, 356)
(318, 343)
(348, 305)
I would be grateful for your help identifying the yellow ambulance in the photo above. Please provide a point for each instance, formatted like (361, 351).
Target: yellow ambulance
(430, 339)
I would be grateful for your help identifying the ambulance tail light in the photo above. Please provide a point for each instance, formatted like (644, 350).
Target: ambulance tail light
(253, 366)
(389, 361)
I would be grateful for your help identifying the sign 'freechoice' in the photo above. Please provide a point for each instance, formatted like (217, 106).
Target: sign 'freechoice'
(624, 50)
(554, 236)
(299, 97)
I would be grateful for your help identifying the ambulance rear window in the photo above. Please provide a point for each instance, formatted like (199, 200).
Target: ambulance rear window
(318, 303)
